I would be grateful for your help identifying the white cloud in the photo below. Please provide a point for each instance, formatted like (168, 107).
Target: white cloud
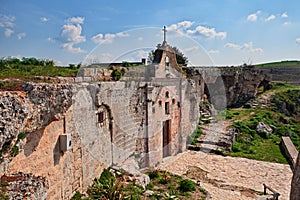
(7, 21)
(249, 47)
(107, 38)
(246, 47)
(284, 15)
(21, 36)
(8, 32)
(140, 38)
(122, 34)
(213, 51)
(271, 17)
(75, 20)
(207, 32)
(180, 26)
(298, 40)
(44, 19)
(232, 46)
(287, 23)
(70, 47)
(71, 35)
(252, 17)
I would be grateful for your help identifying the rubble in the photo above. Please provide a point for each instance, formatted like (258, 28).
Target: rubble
(24, 186)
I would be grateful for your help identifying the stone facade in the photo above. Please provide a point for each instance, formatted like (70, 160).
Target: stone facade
(144, 117)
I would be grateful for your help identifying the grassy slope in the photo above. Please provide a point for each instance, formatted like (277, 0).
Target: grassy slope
(251, 144)
(280, 64)
(27, 72)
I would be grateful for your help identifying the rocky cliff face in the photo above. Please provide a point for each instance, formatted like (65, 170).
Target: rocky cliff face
(229, 86)
(24, 186)
(30, 110)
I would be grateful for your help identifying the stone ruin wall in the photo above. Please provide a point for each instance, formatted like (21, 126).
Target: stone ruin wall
(46, 111)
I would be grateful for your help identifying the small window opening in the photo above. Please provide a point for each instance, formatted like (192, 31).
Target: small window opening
(101, 117)
(167, 94)
(167, 108)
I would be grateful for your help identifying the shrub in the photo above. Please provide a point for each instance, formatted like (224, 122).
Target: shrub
(105, 187)
(21, 136)
(116, 74)
(154, 175)
(187, 186)
(77, 196)
(150, 186)
(14, 151)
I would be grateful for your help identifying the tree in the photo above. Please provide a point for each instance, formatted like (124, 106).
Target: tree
(181, 59)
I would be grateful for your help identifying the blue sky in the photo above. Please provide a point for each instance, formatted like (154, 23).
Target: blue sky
(220, 32)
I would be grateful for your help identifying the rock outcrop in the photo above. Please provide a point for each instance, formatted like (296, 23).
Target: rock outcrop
(24, 186)
(30, 110)
(229, 86)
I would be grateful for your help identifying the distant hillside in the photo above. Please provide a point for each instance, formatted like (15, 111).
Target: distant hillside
(291, 63)
(286, 71)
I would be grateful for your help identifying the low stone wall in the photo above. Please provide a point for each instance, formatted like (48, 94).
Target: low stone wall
(290, 150)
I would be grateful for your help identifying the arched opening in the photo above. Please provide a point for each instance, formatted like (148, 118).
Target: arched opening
(167, 63)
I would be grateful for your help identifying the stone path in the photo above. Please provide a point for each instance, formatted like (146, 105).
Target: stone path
(230, 177)
(215, 136)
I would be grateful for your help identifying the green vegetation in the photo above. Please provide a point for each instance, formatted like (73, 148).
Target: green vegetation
(187, 185)
(163, 185)
(169, 186)
(27, 68)
(292, 63)
(283, 117)
(117, 74)
(192, 139)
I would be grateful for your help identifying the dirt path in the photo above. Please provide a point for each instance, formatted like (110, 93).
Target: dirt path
(230, 177)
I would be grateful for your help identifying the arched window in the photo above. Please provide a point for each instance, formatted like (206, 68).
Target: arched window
(167, 94)
(167, 63)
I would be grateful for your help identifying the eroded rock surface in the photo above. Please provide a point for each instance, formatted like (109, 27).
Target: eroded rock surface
(24, 186)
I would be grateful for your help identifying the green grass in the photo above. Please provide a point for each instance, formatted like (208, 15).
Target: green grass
(27, 72)
(293, 63)
(257, 145)
(163, 184)
(259, 149)
(192, 139)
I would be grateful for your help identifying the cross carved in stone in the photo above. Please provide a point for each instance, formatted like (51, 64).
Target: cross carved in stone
(165, 33)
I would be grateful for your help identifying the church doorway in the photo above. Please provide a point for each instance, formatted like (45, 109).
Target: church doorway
(166, 137)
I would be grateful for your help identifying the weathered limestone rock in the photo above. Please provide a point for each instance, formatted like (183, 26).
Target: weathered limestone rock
(262, 127)
(295, 187)
(31, 110)
(229, 86)
(24, 186)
